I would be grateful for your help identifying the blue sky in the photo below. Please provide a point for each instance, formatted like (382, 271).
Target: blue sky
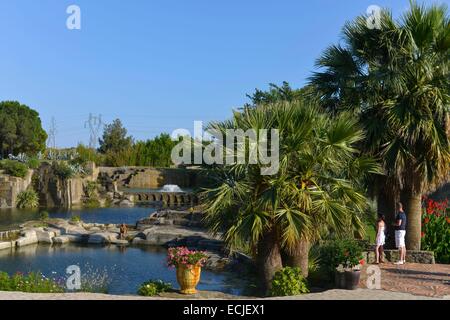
(160, 65)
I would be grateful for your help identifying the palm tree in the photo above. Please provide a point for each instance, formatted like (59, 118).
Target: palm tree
(315, 191)
(396, 79)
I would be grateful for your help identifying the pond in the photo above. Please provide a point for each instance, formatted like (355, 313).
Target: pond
(125, 268)
(12, 218)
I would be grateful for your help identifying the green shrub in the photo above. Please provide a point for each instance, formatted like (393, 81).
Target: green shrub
(14, 168)
(84, 155)
(62, 170)
(347, 253)
(91, 203)
(28, 199)
(288, 282)
(75, 218)
(33, 163)
(90, 189)
(153, 288)
(43, 215)
(33, 282)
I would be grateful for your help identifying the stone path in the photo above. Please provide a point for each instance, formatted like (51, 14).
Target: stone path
(432, 280)
(359, 294)
(408, 282)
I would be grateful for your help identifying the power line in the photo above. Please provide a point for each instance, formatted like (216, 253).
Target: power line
(51, 140)
(94, 123)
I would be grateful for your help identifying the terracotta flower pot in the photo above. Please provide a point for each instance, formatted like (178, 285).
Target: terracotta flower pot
(188, 278)
(352, 279)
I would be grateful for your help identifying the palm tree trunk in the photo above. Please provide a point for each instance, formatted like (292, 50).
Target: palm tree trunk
(269, 258)
(298, 257)
(413, 208)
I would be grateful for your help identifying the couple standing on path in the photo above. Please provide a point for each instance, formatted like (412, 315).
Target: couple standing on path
(400, 233)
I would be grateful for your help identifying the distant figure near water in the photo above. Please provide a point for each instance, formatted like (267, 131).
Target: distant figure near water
(123, 231)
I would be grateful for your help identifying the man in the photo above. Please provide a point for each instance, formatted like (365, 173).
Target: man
(123, 231)
(400, 233)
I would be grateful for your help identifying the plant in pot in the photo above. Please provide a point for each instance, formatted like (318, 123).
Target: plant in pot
(341, 257)
(353, 262)
(188, 264)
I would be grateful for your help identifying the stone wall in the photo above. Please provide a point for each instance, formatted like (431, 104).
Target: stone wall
(411, 256)
(10, 187)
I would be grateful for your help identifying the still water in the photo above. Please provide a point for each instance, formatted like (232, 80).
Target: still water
(12, 218)
(125, 268)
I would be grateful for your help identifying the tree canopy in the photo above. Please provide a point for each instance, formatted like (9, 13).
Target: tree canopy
(115, 138)
(21, 129)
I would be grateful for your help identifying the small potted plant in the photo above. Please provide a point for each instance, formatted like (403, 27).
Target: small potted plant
(353, 263)
(188, 264)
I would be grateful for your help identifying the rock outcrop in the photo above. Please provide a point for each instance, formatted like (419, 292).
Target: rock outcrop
(10, 187)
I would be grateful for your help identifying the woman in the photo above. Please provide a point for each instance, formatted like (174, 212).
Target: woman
(381, 238)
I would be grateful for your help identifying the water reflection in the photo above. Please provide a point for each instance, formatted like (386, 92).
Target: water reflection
(12, 218)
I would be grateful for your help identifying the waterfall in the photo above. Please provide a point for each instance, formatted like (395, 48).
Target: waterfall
(171, 188)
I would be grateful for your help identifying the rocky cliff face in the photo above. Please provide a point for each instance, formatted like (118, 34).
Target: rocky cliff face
(10, 187)
(56, 192)
(146, 178)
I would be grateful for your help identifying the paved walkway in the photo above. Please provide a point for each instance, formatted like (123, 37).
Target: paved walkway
(408, 282)
(359, 294)
(432, 280)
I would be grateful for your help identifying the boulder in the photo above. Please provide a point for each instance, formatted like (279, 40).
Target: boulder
(29, 233)
(126, 203)
(61, 239)
(45, 236)
(102, 237)
(69, 238)
(25, 241)
(55, 231)
(69, 228)
(73, 230)
(6, 245)
(217, 262)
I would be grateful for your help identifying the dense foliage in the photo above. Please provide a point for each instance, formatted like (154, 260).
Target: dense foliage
(28, 199)
(20, 130)
(115, 138)
(154, 287)
(396, 80)
(153, 152)
(63, 170)
(288, 282)
(315, 192)
(346, 253)
(275, 94)
(33, 282)
(14, 168)
(436, 229)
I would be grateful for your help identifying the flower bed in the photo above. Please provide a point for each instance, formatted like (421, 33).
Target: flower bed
(436, 228)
